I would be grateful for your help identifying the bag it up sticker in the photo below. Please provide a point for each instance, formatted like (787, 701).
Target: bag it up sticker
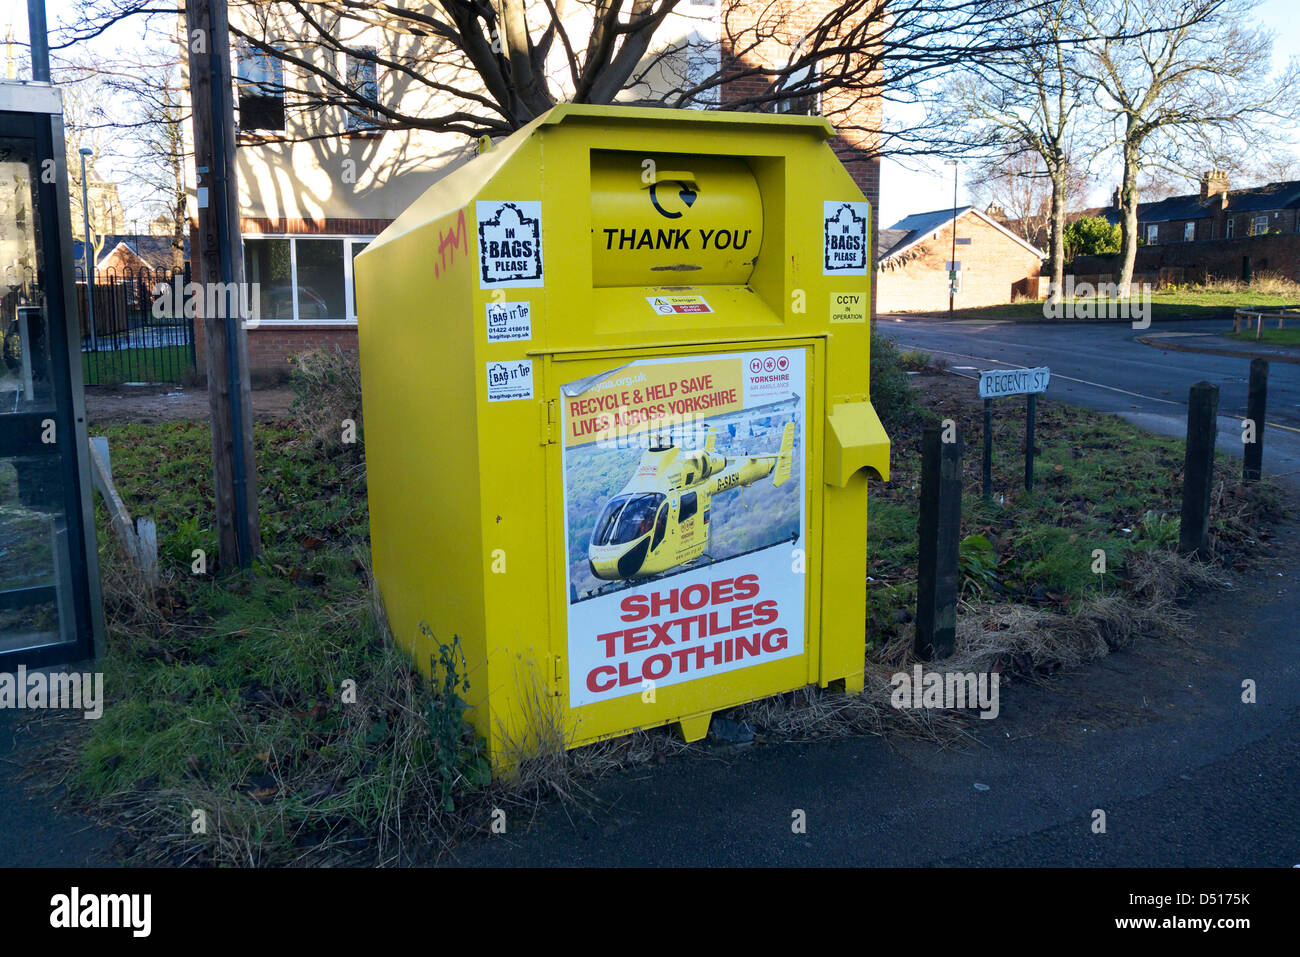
(507, 381)
(509, 321)
(849, 306)
(844, 239)
(677, 305)
(509, 244)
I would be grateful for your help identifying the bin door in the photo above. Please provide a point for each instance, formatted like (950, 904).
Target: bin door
(685, 486)
(44, 599)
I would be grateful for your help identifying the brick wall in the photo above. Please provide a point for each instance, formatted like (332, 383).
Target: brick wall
(269, 347)
(992, 265)
(1212, 259)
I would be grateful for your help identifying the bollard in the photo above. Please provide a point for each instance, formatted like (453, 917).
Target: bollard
(1256, 407)
(938, 531)
(1198, 469)
(988, 450)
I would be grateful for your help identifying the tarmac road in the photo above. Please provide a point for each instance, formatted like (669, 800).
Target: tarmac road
(1102, 366)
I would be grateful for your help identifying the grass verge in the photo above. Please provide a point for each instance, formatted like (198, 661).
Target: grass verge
(1270, 337)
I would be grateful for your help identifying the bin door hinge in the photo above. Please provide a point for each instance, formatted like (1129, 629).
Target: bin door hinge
(554, 669)
(550, 414)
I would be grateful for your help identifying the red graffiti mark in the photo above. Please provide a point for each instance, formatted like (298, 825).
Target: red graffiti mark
(449, 241)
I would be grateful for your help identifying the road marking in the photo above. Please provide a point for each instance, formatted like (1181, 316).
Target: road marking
(1057, 375)
(1111, 388)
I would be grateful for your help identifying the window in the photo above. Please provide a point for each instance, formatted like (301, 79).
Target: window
(1229, 227)
(661, 525)
(689, 505)
(259, 79)
(626, 518)
(1189, 232)
(360, 76)
(1153, 234)
(805, 104)
(1259, 226)
(303, 278)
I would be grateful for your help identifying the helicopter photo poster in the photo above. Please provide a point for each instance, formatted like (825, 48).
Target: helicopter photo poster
(684, 490)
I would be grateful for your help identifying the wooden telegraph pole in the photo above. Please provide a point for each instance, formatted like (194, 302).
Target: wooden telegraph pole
(220, 273)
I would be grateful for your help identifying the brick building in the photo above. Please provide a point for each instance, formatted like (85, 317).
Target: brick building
(1217, 212)
(1220, 233)
(995, 265)
(315, 185)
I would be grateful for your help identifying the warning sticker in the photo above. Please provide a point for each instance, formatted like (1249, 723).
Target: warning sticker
(675, 305)
(509, 244)
(849, 306)
(844, 239)
(509, 321)
(510, 380)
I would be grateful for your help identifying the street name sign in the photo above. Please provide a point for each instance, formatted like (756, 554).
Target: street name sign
(996, 383)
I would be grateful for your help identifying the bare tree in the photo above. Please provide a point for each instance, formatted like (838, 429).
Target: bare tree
(1017, 183)
(1197, 71)
(1022, 105)
(490, 68)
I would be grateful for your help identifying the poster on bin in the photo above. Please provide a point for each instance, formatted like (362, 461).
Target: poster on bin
(684, 519)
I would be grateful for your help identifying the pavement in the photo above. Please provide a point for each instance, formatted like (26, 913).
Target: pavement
(1209, 343)
(37, 829)
(1106, 366)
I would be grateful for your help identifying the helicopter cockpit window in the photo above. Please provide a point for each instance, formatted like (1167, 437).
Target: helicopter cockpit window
(608, 520)
(688, 507)
(636, 519)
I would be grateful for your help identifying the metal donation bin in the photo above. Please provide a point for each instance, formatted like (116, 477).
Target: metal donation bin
(615, 377)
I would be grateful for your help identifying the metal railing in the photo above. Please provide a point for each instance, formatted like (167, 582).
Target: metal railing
(139, 335)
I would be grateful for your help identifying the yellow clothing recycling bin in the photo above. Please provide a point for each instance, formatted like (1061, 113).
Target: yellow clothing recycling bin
(615, 378)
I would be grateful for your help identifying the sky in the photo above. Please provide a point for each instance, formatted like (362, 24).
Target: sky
(915, 185)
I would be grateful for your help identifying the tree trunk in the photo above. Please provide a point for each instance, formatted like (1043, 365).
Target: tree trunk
(1056, 255)
(1128, 203)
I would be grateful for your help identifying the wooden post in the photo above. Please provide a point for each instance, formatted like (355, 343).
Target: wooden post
(988, 449)
(220, 266)
(1256, 407)
(1031, 403)
(1198, 469)
(938, 531)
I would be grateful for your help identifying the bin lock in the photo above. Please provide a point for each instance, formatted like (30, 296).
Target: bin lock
(855, 439)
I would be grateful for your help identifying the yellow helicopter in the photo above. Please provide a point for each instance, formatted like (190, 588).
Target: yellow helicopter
(660, 519)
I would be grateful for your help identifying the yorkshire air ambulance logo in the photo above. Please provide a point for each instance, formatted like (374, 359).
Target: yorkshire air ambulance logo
(844, 242)
(510, 244)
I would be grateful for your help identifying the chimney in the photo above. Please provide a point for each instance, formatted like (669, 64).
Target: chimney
(1214, 183)
(1114, 198)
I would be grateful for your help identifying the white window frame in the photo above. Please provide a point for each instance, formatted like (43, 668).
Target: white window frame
(349, 292)
(1229, 227)
(1255, 228)
(1153, 234)
(1189, 232)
